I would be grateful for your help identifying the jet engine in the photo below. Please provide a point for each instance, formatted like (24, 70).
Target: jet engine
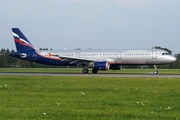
(104, 65)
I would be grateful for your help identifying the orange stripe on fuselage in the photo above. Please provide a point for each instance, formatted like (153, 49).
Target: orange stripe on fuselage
(49, 57)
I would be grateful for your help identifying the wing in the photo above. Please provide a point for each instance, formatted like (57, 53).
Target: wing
(82, 60)
(79, 60)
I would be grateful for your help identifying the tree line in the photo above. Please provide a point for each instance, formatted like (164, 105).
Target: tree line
(6, 61)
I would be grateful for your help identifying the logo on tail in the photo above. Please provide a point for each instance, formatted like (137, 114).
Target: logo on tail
(22, 43)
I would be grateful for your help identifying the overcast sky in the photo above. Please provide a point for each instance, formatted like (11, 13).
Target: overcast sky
(96, 24)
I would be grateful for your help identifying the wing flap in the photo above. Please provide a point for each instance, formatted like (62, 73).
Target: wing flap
(76, 59)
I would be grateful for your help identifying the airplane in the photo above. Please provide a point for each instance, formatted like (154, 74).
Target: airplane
(96, 59)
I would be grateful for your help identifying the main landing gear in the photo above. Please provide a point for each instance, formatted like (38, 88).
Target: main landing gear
(94, 70)
(155, 69)
(85, 71)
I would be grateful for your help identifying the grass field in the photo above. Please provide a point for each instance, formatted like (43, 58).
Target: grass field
(82, 98)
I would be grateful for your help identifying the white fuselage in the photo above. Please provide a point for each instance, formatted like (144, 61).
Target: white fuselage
(97, 59)
(123, 57)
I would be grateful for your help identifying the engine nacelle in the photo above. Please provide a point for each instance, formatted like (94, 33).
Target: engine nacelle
(115, 67)
(104, 65)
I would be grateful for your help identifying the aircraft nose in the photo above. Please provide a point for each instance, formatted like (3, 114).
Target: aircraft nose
(172, 59)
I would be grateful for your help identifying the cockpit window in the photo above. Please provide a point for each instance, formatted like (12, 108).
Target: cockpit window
(166, 53)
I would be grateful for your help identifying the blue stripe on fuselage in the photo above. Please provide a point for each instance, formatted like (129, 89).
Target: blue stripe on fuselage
(50, 61)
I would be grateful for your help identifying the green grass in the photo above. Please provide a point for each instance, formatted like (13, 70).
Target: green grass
(79, 70)
(82, 98)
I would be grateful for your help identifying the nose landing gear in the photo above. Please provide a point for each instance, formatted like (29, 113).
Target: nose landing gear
(155, 69)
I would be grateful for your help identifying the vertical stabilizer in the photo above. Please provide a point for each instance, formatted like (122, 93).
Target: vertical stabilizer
(21, 42)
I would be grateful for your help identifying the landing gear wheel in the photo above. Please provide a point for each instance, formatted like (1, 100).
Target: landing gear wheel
(155, 72)
(155, 69)
(85, 71)
(94, 70)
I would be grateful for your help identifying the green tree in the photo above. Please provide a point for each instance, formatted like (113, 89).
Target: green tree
(158, 47)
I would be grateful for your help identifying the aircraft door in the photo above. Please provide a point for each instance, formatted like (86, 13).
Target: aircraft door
(34, 56)
(119, 55)
(154, 54)
(77, 54)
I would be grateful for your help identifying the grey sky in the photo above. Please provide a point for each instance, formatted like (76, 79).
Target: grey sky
(104, 24)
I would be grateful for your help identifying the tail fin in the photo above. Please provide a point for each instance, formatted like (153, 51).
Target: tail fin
(22, 43)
